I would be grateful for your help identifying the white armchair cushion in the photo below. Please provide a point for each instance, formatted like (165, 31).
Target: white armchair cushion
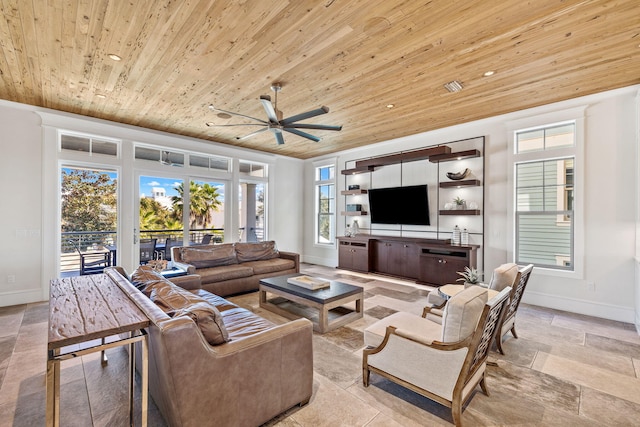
(461, 314)
(503, 276)
(411, 324)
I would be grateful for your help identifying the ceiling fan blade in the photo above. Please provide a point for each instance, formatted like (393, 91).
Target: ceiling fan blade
(237, 124)
(278, 134)
(240, 138)
(310, 126)
(212, 108)
(268, 108)
(302, 134)
(307, 115)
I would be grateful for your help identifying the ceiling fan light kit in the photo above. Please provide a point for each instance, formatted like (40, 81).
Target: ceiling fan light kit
(275, 122)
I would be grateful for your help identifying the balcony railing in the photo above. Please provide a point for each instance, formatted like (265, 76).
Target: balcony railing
(98, 241)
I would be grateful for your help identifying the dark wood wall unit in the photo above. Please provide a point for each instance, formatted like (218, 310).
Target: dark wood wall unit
(429, 261)
(405, 156)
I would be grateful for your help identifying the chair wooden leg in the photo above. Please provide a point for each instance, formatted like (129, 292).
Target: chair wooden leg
(499, 344)
(483, 385)
(365, 376)
(456, 411)
(513, 331)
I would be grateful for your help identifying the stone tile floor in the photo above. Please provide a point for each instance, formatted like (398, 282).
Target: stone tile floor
(565, 369)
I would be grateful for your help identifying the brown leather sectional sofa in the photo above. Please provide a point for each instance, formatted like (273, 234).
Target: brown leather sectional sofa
(233, 268)
(213, 363)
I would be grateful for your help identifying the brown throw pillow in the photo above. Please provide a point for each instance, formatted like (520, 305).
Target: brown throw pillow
(209, 320)
(256, 251)
(178, 302)
(145, 278)
(211, 256)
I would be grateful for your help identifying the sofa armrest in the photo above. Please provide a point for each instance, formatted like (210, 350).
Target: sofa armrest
(191, 269)
(292, 256)
(188, 282)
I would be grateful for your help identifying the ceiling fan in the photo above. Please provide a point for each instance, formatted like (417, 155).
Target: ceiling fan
(275, 123)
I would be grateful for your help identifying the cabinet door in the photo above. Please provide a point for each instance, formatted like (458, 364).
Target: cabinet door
(411, 261)
(345, 256)
(360, 259)
(430, 269)
(450, 267)
(382, 255)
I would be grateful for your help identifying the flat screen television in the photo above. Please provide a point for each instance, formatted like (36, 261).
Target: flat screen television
(399, 205)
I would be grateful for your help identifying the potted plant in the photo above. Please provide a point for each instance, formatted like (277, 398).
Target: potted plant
(461, 204)
(470, 276)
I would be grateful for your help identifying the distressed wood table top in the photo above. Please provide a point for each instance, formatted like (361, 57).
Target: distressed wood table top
(84, 308)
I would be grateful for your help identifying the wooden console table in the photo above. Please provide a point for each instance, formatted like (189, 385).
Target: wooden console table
(87, 308)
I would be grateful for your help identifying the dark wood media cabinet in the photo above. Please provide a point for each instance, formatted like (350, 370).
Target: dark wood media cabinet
(429, 261)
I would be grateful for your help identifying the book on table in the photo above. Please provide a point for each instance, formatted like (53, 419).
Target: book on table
(309, 282)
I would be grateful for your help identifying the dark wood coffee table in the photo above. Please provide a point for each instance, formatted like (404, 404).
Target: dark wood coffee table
(324, 307)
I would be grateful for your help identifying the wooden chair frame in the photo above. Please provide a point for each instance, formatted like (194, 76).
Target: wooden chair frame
(514, 302)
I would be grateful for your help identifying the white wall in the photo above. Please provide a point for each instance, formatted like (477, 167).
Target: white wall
(29, 200)
(611, 195)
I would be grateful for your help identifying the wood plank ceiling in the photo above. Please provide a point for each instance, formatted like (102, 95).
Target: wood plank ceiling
(356, 57)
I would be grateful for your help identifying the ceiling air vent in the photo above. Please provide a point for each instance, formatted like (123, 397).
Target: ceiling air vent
(453, 86)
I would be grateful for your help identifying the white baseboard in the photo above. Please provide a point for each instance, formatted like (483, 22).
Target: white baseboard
(318, 261)
(20, 297)
(589, 308)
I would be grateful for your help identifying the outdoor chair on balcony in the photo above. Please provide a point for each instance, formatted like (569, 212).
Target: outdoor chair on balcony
(147, 250)
(91, 262)
(206, 239)
(170, 243)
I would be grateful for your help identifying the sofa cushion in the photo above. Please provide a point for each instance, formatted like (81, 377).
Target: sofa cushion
(503, 276)
(209, 256)
(217, 301)
(146, 278)
(225, 272)
(462, 312)
(241, 322)
(256, 251)
(270, 266)
(179, 302)
(208, 319)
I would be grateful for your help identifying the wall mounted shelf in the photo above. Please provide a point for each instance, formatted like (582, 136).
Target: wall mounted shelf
(460, 212)
(468, 154)
(353, 192)
(459, 184)
(357, 170)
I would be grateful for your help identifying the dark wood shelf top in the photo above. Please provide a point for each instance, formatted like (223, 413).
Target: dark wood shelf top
(405, 156)
(353, 192)
(353, 213)
(461, 183)
(460, 212)
(468, 154)
(357, 170)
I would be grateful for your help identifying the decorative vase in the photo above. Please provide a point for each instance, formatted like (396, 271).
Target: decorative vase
(461, 206)
(356, 228)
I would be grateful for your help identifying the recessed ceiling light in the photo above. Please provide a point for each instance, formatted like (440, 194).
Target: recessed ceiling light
(390, 105)
(210, 124)
(489, 73)
(101, 96)
(115, 57)
(453, 86)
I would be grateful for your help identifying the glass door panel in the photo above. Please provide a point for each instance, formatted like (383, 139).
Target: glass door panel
(89, 219)
(206, 212)
(251, 212)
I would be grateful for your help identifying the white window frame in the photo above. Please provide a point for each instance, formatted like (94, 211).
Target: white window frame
(317, 183)
(577, 116)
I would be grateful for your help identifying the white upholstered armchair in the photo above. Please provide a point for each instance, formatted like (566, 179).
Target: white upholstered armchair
(443, 362)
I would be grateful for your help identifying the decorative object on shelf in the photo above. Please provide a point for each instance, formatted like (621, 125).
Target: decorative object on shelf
(456, 176)
(470, 276)
(461, 204)
(455, 239)
(356, 228)
(448, 206)
(354, 187)
(347, 231)
(464, 237)
(472, 205)
(354, 207)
